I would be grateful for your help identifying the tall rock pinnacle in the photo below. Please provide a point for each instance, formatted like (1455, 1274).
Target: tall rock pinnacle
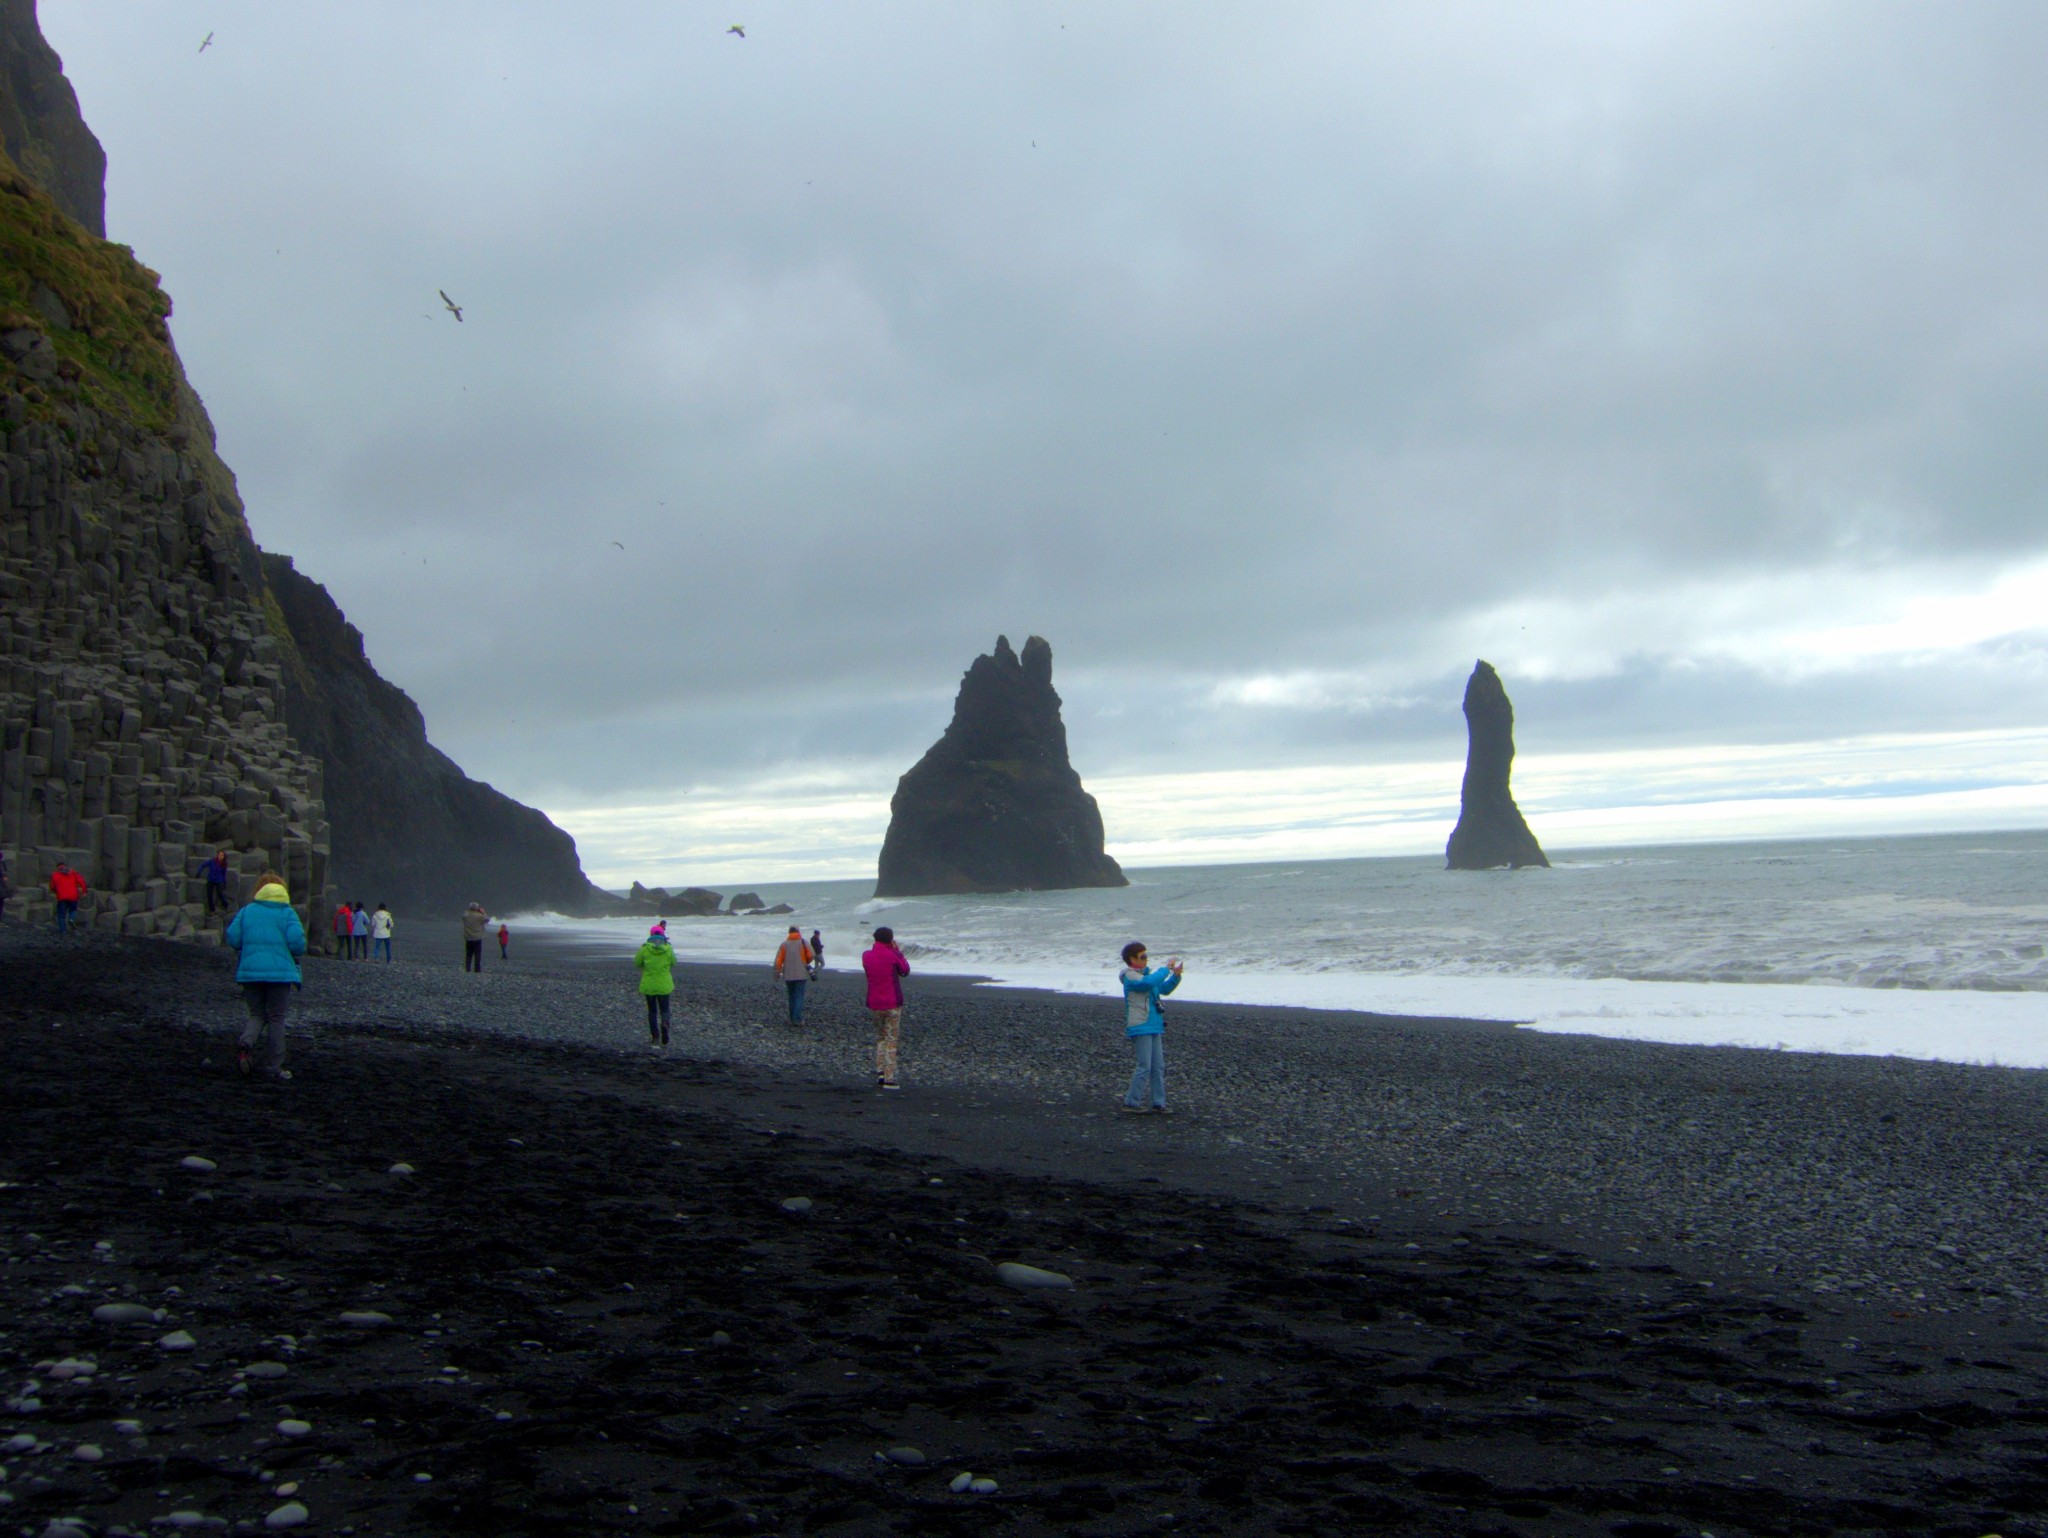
(1490, 830)
(995, 806)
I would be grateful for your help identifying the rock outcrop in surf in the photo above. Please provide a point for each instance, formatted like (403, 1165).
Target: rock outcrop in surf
(1490, 830)
(995, 805)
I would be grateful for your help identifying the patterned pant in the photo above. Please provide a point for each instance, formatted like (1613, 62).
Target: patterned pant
(888, 1033)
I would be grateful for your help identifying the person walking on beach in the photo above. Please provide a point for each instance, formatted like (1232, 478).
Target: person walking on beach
(381, 925)
(69, 888)
(1145, 1025)
(5, 889)
(474, 922)
(886, 968)
(817, 955)
(504, 942)
(656, 959)
(793, 966)
(359, 932)
(271, 939)
(216, 873)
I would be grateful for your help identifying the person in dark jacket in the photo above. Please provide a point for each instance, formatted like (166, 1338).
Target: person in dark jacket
(271, 939)
(216, 873)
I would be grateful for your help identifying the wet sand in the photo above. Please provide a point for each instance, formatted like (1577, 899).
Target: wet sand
(602, 1317)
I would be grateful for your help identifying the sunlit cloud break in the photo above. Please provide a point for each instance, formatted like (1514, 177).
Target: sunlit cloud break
(813, 827)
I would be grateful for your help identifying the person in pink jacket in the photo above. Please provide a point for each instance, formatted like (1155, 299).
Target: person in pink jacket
(886, 969)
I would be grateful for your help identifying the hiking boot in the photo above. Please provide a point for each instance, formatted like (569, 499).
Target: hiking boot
(282, 1076)
(242, 1061)
(890, 1084)
(1132, 1110)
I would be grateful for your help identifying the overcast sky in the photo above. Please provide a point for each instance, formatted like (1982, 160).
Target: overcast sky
(1685, 361)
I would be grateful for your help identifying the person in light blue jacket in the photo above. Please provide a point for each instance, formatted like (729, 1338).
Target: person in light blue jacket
(271, 939)
(1145, 1026)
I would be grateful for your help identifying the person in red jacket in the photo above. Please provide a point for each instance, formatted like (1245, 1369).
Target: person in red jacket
(504, 942)
(68, 887)
(344, 930)
(886, 968)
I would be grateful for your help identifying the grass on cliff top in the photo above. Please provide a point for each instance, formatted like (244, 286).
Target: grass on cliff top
(116, 354)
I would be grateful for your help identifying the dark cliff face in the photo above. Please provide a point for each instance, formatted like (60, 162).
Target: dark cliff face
(166, 689)
(409, 828)
(40, 125)
(995, 806)
(1490, 830)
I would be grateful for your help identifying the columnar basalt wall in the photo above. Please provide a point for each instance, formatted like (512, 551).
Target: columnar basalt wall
(140, 677)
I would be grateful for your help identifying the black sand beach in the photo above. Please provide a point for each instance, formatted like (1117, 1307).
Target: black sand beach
(602, 1317)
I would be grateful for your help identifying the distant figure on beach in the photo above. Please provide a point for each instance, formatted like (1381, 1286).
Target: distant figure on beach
(817, 955)
(69, 888)
(216, 873)
(381, 926)
(5, 889)
(793, 966)
(474, 922)
(344, 930)
(886, 968)
(1145, 1025)
(504, 942)
(271, 939)
(359, 932)
(656, 959)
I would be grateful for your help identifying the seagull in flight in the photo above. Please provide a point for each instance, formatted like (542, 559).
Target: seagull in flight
(617, 543)
(453, 308)
(207, 44)
(737, 30)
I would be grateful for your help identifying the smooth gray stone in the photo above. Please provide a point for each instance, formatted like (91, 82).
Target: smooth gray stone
(796, 1204)
(907, 1457)
(1016, 1274)
(194, 1162)
(125, 1313)
(178, 1340)
(265, 1370)
(365, 1318)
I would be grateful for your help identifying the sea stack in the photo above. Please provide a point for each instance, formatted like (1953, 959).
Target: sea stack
(1490, 830)
(995, 806)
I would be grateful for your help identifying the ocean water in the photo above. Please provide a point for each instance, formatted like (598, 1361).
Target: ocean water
(1922, 947)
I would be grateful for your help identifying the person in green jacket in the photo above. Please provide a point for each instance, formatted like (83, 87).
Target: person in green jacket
(656, 959)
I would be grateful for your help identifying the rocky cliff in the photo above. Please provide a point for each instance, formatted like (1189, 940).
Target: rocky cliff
(409, 827)
(163, 688)
(995, 806)
(1490, 830)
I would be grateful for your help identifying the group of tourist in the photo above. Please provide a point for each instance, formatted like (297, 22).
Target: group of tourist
(270, 939)
(357, 930)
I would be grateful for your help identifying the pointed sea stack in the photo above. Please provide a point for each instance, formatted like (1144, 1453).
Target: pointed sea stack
(1490, 830)
(995, 806)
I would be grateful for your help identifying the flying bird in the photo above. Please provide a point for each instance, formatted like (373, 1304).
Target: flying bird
(617, 543)
(736, 30)
(453, 308)
(206, 44)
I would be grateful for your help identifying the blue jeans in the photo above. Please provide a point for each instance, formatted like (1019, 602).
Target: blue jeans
(65, 909)
(1151, 1072)
(796, 1001)
(383, 948)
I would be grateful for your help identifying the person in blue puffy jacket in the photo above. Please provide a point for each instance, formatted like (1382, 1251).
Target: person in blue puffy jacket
(1145, 1025)
(271, 939)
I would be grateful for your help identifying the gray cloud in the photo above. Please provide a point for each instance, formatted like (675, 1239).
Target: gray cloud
(1302, 344)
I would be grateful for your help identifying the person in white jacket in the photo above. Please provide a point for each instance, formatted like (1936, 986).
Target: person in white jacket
(381, 925)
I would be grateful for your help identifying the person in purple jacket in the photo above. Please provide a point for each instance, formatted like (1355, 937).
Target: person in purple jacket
(886, 968)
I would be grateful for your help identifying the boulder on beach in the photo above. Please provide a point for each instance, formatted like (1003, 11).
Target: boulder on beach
(1490, 831)
(995, 805)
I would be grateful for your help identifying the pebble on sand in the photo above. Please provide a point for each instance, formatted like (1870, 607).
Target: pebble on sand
(20, 1442)
(291, 1428)
(264, 1370)
(400, 1169)
(1016, 1274)
(125, 1313)
(87, 1452)
(960, 1483)
(906, 1457)
(178, 1340)
(983, 1486)
(796, 1204)
(289, 1487)
(720, 1338)
(194, 1162)
(290, 1514)
(183, 1519)
(365, 1318)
